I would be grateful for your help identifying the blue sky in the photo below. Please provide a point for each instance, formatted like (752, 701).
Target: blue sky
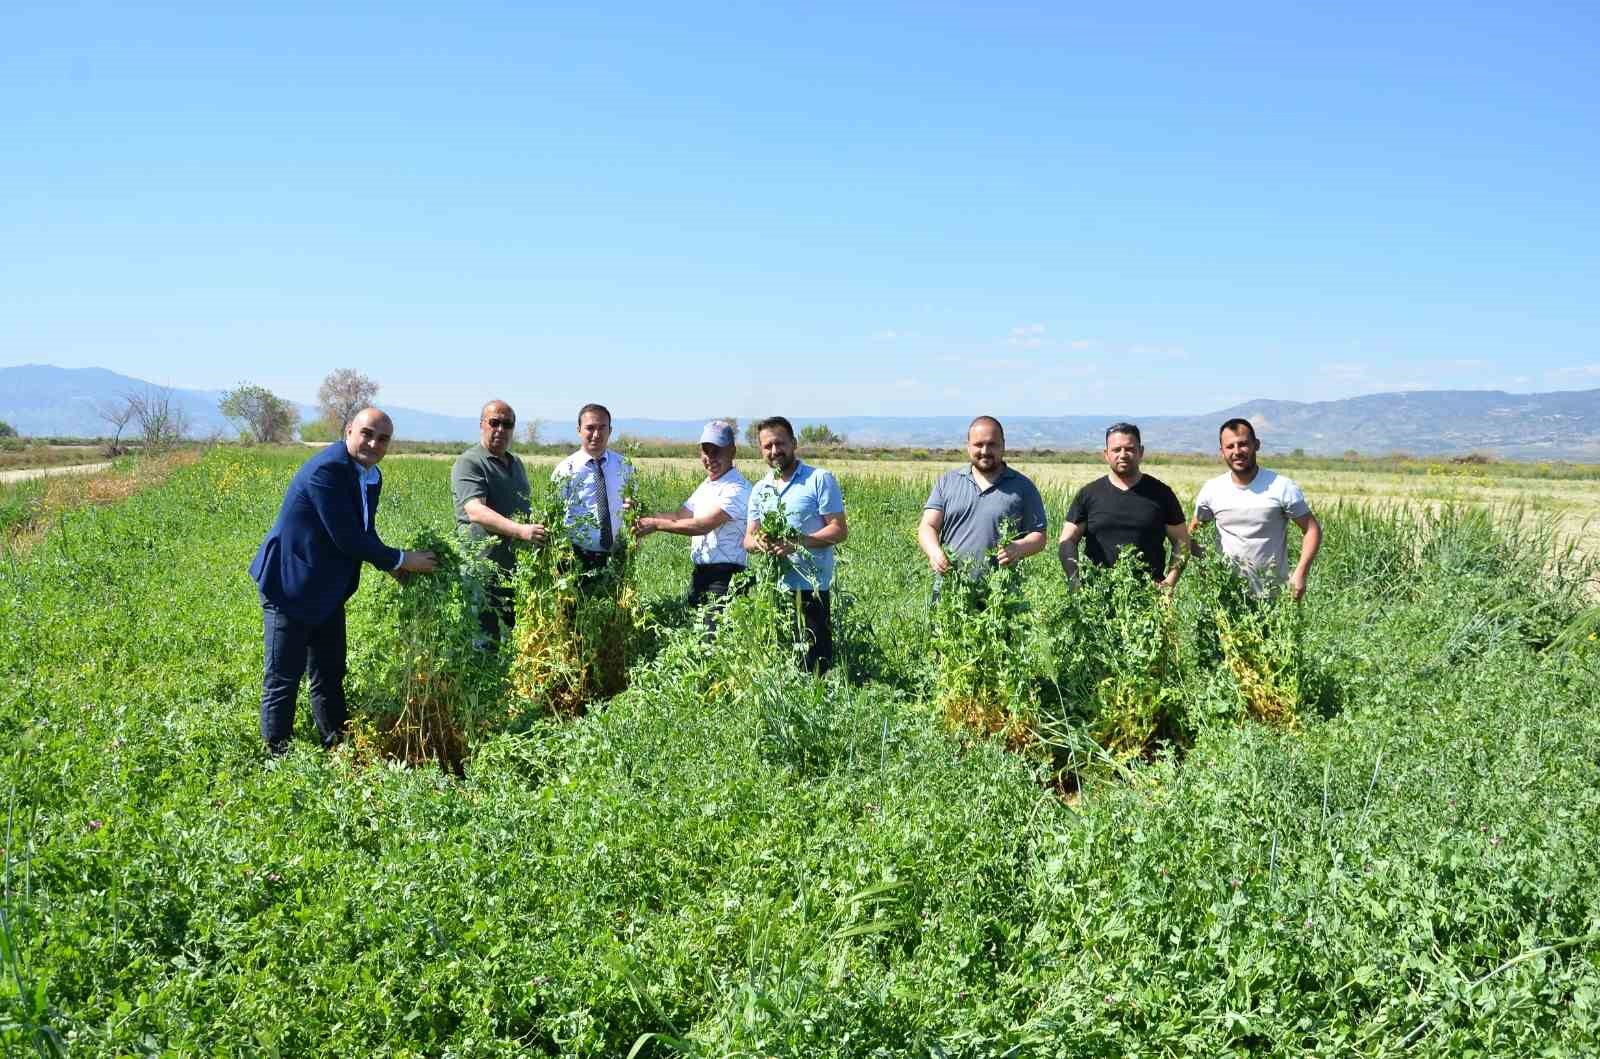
(686, 211)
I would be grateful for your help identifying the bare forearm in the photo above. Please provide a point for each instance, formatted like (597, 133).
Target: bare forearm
(829, 535)
(481, 514)
(1310, 546)
(686, 524)
(1028, 544)
(928, 541)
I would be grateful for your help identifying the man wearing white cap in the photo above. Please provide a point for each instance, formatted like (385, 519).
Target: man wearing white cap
(713, 517)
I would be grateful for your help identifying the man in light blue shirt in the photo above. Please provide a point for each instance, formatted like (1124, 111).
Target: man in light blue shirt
(592, 482)
(814, 507)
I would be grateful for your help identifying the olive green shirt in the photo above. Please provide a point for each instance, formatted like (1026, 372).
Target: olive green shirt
(500, 483)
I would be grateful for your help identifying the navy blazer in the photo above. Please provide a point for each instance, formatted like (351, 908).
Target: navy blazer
(310, 562)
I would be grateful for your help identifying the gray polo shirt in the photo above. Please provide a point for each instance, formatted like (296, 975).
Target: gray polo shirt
(501, 484)
(972, 516)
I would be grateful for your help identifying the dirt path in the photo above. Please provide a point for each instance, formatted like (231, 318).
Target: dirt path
(25, 473)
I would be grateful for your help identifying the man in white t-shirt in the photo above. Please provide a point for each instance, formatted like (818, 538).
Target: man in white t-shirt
(1252, 508)
(713, 518)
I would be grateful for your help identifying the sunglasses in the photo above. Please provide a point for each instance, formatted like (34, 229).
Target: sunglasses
(496, 424)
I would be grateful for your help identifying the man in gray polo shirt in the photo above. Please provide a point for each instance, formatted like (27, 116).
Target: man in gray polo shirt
(968, 509)
(490, 487)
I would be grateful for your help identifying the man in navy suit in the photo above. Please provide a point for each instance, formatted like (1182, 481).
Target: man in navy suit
(310, 564)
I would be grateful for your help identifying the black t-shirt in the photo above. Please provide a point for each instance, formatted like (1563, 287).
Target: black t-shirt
(1113, 517)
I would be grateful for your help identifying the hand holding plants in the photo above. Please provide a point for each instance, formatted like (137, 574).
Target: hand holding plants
(419, 562)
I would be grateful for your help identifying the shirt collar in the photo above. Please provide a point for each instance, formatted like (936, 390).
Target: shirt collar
(581, 458)
(1005, 472)
(800, 468)
(504, 457)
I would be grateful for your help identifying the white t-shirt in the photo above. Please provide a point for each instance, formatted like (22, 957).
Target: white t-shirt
(725, 544)
(1253, 520)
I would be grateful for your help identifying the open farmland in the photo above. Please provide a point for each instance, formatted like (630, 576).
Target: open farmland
(739, 861)
(1569, 504)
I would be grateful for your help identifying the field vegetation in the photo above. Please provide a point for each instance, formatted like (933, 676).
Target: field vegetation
(1101, 823)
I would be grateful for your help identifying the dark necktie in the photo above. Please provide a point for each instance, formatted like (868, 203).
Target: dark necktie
(602, 504)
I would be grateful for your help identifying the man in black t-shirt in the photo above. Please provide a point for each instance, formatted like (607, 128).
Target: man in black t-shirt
(1125, 507)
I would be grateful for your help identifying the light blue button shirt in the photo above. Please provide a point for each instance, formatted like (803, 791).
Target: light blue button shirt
(576, 476)
(809, 494)
(371, 476)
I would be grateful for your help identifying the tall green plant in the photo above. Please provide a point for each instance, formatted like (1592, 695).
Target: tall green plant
(438, 690)
(576, 628)
(979, 669)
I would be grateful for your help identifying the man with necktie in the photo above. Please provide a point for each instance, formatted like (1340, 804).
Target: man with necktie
(310, 564)
(592, 481)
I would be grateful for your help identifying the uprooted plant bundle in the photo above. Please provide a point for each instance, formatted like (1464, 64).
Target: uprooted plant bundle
(979, 665)
(439, 690)
(1253, 632)
(575, 628)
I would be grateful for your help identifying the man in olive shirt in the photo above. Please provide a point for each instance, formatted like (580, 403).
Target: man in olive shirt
(490, 487)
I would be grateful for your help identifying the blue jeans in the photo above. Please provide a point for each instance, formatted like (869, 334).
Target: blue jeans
(291, 649)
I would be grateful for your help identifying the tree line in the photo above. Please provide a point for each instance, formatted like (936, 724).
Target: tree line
(262, 417)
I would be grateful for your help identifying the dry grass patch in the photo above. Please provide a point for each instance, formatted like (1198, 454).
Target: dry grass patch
(31, 508)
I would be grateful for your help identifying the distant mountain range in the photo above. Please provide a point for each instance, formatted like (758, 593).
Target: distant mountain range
(38, 399)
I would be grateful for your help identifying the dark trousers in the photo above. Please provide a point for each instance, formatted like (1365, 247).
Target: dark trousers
(817, 618)
(593, 560)
(500, 615)
(292, 649)
(712, 582)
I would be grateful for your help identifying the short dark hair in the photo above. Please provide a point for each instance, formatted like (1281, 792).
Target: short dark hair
(1237, 424)
(1124, 428)
(773, 423)
(987, 419)
(600, 408)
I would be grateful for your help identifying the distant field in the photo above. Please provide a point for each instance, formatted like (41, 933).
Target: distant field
(42, 455)
(1569, 505)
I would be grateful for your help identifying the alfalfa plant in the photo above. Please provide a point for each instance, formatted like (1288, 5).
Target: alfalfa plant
(28, 1020)
(763, 624)
(441, 690)
(981, 679)
(1255, 632)
(576, 628)
(1118, 678)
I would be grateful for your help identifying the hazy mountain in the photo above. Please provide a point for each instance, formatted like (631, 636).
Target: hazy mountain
(38, 399)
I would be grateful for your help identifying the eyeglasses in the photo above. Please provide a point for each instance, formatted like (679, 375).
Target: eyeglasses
(496, 424)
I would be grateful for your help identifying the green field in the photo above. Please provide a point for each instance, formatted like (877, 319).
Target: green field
(1368, 827)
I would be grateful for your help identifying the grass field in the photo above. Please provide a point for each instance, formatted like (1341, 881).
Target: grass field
(38, 454)
(1364, 827)
(1570, 505)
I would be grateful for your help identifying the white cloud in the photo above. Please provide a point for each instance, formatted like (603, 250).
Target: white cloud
(1027, 336)
(1577, 371)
